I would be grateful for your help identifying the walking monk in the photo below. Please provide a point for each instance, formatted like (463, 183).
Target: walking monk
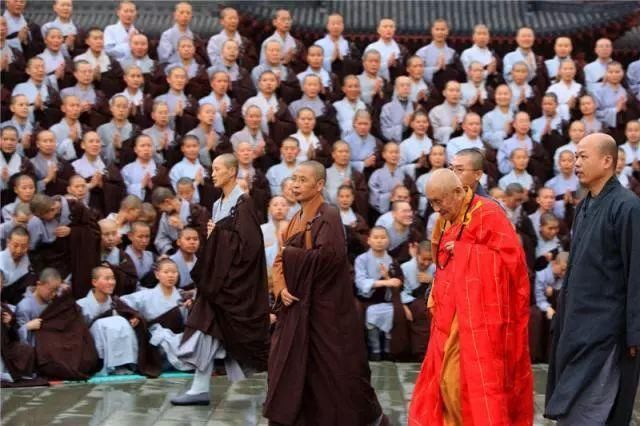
(477, 369)
(318, 371)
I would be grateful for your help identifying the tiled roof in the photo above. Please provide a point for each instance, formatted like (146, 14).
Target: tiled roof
(412, 17)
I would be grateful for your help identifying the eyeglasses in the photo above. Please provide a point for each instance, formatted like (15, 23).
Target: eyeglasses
(460, 169)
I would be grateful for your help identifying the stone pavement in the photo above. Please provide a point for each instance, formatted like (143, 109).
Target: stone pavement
(146, 402)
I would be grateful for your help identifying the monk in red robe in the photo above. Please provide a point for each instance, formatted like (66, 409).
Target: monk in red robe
(477, 369)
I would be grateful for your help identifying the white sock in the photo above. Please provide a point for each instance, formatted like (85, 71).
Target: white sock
(201, 380)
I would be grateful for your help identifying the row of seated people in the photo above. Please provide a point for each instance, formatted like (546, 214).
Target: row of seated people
(85, 144)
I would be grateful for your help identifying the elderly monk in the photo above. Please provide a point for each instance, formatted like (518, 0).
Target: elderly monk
(477, 367)
(594, 365)
(318, 371)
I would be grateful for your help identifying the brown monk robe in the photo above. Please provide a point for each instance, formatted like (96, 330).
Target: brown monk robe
(318, 371)
(63, 345)
(18, 358)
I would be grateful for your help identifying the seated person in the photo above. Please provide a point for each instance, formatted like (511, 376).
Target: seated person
(355, 226)
(54, 60)
(185, 257)
(376, 275)
(441, 62)
(289, 154)
(63, 10)
(114, 133)
(164, 308)
(190, 165)
(418, 276)
(384, 179)
(180, 105)
(117, 36)
(175, 216)
(480, 52)
(567, 90)
(143, 259)
(415, 149)
(372, 84)
(291, 48)
(170, 39)
(34, 303)
(19, 107)
(347, 107)
(391, 53)
(395, 115)
(341, 173)
(161, 134)
(69, 130)
(143, 174)
(128, 213)
(138, 55)
(548, 283)
(365, 148)
(278, 209)
(123, 268)
(12, 163)
(315, 56)
(42, 98)
(519, 159)
(496, 124)
(447, 117)
(107, 72)
(229, 21)
(16, 268)
(470, 138)
(114, 335)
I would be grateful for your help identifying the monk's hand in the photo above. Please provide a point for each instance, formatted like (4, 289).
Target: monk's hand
(134, 322)
(407, 313)
(62, 231)
(413, 249)
(395, 282)
(287, 298)
(449, 246)
(210, 226)
(633, 351)
(187, 304)
(272, 318)
(34, 324)
(550, 313)
(6, 317)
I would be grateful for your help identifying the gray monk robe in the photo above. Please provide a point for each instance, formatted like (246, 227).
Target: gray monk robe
(598, 315)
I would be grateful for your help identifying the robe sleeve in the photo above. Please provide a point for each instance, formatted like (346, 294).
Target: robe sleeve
(133, 188)
(628, 230)
(112, 47)
(364, 283)
(390, 129)
(504, 165)
(541, 298)
(22, 318)
(136, 300)
(493, 137)
(165, 48)
(405, 294)
(163, 241)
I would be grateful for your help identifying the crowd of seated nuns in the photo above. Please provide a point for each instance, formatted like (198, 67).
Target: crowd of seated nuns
(108, 140)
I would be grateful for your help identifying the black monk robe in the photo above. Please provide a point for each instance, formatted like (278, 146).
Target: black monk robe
(599, 305)
(318, 370)
(232, 302)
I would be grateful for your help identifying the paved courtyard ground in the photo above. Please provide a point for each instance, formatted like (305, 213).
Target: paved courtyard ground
(146, 402)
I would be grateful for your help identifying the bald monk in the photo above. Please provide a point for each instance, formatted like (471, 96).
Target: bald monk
(477, 369)
(593, 370)
(318, 371)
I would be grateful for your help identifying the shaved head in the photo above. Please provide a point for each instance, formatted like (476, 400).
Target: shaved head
(445, 193)
(319, 172)
(444, 180)
(596, 159)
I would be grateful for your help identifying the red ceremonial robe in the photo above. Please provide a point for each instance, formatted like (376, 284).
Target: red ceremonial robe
(485, 286)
